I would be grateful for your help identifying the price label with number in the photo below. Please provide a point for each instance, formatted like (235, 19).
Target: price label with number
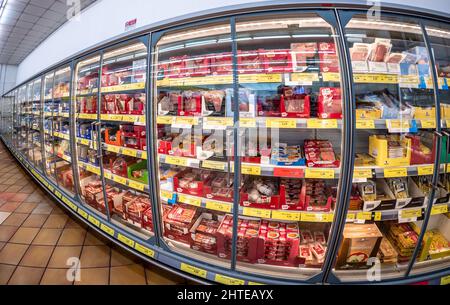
(281, 123)
(247, 122)
(395, 172)
(439, 209)
(288, 172)
(120, 180)
(319, 173)
(397, 124)
(136, 185)
(218, 206)
(176, 160)
(365, 124)
(262, 213)
(186, 121)
(428, 123)
(217, 165)
(113, 148)
(129, 242)
(193, 270)
(377, 216)
(359, 173)
(82, 213)
(316, 217)
(107, 229)
(250, 170)
(228, 280)
(286, 215)
(322, 123)
(412, 213)
(166, 194)
(425, 170)
(144, 250)
(129, 152)
(364, 215)
(164, 120)
(93, 220)
(189, 200)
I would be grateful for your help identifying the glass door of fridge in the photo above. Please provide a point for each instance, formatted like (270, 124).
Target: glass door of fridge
(434, 254)
(21, 140)
(394, 146)
(124, 136)
(28, 121)
(36, 112)
(290, 137)
(192, 78)
(87, 152)
(48, 113)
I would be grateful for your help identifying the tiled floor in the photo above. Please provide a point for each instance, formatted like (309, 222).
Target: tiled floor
(39, 242)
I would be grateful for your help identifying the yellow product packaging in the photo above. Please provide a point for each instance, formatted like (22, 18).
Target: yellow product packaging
(424, 113)
(379, 149)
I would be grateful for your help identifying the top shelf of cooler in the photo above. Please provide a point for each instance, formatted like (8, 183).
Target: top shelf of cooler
(306, 78)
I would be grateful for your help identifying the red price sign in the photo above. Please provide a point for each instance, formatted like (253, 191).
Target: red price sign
(288, 172)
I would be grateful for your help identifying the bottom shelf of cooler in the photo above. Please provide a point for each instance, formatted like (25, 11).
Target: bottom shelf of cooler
(261, 269)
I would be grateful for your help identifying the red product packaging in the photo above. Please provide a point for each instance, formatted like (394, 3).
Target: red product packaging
(294, 105)
(329, 61)
(316, 196)
(219, 187)
(198, 66)
(190, 104)
(133, 136)
(269, 105)
(191, 181)
(276, 61)
(88, 104)
(135, 209)
(221, 64)
(418, 155)
(177, 66)
(203, 234)
(301, 52)
(249, 244)
(290, 198)
(330, 103)
(178, 221)
(320, 153)
(136, 105)
(147, 220)
(261, 193)
(249, 62)
(281, 243)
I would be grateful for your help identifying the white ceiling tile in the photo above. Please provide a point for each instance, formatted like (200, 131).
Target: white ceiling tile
(28, 17)
(59, 7)
(24, 25)
(44, 3)
(52, 15)
(10, 13)
(34, 10)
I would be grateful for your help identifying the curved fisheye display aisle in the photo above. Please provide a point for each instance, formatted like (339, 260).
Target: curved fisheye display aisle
(300, 146)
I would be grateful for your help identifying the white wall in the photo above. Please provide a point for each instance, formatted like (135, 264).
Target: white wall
(7, 77)
(106, 18)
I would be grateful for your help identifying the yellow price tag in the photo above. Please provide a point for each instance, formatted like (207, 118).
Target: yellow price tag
(91, 116)
(360, 173)
(304, 77)
(189, 200)
(250, 170)
(395, 172)
(364, 215)
(166, 194)
(107, 229)
(93, 220)
(82, 213)
(186, 120)
(130, 118)
(286, 215)
(176, 160)
(255, 283)
(281, 123)
(120, 180)
(411, 213)
(351, 216)
(84, 141)
(143, 154)
(377, 216)
(365, 124)
(445, 280)
(228, 280)
(261, 213)
(428, 123)
(136, 185)
(129, 242)
(322, 123)
(425, 170)
(108, 175)
(439, 209)
(144, 250)
(164, 120)
(218, 206)
(113, 148)
(247, 122)
(193, 270)
(111, 117)
(217, 121)
(316, 217)
(331, 77)
(129, 152)
(397, 124)
(319, 173)
(217, 165)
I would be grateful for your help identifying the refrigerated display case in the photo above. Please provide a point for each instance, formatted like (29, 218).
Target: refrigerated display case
(293, 146)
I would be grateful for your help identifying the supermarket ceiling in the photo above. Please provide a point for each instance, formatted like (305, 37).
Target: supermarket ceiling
(24, 24)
